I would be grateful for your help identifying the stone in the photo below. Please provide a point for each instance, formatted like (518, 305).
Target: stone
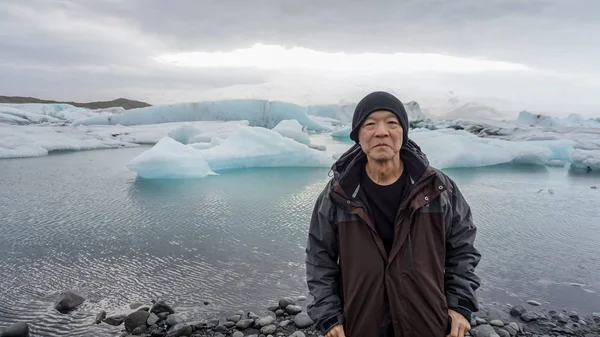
(266, 321)
(298, 334)
(517, 311)
(503, 333)
(212, 323)
(229, 325)
(68, 300)
(529, 317)
(139, 330)
(220, 328)
(285, 323)
(284, 302)
(279, 312)
(302, 320)
(160, 307)
(234, 318)
(244, 323)
(174, 320)
(152, 319)
(481, 321)
(163, 315)
(497, 322)
(273, 308)
(574, 316)
(115, 320)
(512, 329)
(136, 319)
(180, 330)
(271, 328)
(101, 316)
(534, 303)
(293, 309)
(144, 309)
(206, 302)
(301, 298)
(238, 334)
(252, 315)
(135, 305)
(20, 329)
(484, 330)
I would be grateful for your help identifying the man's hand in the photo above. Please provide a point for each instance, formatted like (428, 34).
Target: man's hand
(460, 325)
(336, 331)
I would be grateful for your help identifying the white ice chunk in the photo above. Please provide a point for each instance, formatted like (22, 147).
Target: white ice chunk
(185, 133)
(170, 159)
(292, 129)
(344, 112)
(256, 112)
(586, 159)
(52, 113)
(260, 147)
(342, 133)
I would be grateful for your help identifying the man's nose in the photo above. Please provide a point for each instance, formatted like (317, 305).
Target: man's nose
(381, 130)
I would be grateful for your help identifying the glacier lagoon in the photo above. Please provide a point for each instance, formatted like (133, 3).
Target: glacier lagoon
(228, 226)
(84, 220)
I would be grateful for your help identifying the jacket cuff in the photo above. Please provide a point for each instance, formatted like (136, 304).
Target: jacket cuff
(463, 311)
(329, 323)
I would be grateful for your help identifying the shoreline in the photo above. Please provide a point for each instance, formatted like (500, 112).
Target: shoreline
(288, 318)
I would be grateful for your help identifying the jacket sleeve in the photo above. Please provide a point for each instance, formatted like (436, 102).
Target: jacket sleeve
(322, 268)
(462, 257)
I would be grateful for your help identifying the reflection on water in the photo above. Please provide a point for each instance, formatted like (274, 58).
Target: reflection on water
(82, 220)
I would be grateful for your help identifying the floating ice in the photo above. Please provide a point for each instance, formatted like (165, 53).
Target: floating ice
(35, 113)
(573, 120)
(246, 147)
(292, 129)
(170, 159)
(256, 112)
(586, 159)
(344, 112)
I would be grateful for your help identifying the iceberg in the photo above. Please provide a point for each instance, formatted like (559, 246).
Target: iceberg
(344, 112)
(588, 160)
(292, 129)
(573, 120)
(170, 159)
(257, 112)
(245, 147)
(36, 113)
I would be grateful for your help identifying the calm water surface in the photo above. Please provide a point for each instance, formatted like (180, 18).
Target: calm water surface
(82, 220)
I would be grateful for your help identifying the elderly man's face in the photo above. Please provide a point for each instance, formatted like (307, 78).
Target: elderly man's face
(380, 136)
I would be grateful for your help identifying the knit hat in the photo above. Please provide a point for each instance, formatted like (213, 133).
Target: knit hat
(376, 101)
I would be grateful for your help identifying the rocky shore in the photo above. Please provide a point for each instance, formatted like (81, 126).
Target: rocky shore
(287, 318)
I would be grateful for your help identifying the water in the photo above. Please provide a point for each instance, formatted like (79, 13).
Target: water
(82, 220)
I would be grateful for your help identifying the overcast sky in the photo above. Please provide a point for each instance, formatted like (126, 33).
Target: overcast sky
(540, 54)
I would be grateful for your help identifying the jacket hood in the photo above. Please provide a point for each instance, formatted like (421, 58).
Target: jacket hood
(347, 168)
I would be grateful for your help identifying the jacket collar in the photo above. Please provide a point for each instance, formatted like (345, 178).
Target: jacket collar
(347, 169)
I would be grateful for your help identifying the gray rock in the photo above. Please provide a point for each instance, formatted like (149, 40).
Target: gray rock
(241, 313)
(229, 324)
(163, 315)
(101, 315)
(68, 300)
(238, 334)
(212, 323)
(271, 328)
(273, 308)
(562, 319)
(517, 311)
(529, 317)
(115, 320)
(252, 315)
(144, 309)
(284, 302)
(266, 321)
(135, 305)
(512, 329)
(244, 323)
(293, 309)
(481, 321)
(220, 328)
(20, 329)
(152, 319)
(139, 330)
(285, 323)
(279, 312)
(484, 330)
(302, 320)
(161, 306)
(298, 334)
(497, 322)
(174, 320)
(180, 330)
(301, 298)
(136, 319)
(534, 303)
(234, 318)
(574, 316)
(219, 335)
(503, 333)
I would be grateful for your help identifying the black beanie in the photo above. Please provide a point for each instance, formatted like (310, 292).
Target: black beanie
(375, 101)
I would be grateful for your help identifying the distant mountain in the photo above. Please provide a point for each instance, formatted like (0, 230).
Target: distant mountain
(120, 102)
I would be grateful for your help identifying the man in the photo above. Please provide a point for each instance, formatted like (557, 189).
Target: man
(390, 248)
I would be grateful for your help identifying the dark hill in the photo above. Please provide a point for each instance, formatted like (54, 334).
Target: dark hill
(119, 102)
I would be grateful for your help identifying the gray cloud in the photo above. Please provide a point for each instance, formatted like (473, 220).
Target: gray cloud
(84, 49)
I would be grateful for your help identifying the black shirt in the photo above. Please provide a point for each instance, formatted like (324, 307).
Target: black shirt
(383, 203)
